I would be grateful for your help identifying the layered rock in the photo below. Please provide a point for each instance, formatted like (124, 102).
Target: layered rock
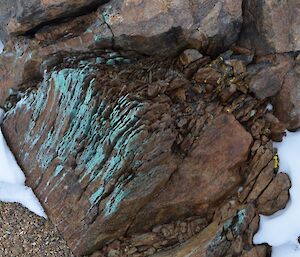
(109, 151)
(132, 155)
(211, 27)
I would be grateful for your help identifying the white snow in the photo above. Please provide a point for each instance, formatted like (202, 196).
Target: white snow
(282, 229)
(12, 180)
(269, 107)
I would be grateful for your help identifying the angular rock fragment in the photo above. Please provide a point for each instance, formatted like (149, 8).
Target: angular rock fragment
(267, 75)
(287, 102)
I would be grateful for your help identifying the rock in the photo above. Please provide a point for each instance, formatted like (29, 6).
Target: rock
(189, 56)
(267, 24)
(257, 251)
(104, 161)
(179, 25)
(113, 26)
(215, 240)
(104, 156)
(145, 239)
(287, 102)
(208, 76)
(220, 152)
(275, 196)
(199, 26)
(18, 17)
(267, 75)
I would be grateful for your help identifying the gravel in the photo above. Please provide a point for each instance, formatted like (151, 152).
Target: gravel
(22, 234)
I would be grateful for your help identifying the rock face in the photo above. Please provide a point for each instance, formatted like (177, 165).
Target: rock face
(208, 173)
(268, 74)
(287, 102)
(165, 155)
(215, 239)
(112, 154)
(211, 27)
(271, 26)
(139, 25)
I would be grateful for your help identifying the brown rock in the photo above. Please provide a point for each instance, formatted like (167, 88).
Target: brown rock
(267, 24)
(114, 25)
(287, 102)
(21, 17)
(142, 26)
(257, 251)
(266, 77)
(275, 196)
(115, 181)
(208, 76)
(219, 153)
(145, 239)
(212, 241)
(189, 56)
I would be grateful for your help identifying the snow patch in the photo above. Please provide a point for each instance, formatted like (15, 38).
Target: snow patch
(1, 47)
(282, 229)
(269, 107)
(12, 180)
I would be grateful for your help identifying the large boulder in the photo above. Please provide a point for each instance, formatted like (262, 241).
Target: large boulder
(160, 26)
(210, 27)
(101, 155)
(271, 26)
(149, 27)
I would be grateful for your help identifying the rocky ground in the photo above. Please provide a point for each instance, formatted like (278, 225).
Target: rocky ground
(23, 233)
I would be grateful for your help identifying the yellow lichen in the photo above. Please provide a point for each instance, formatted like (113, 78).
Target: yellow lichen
(276, 162)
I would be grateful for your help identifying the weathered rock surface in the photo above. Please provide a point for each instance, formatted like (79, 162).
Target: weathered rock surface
(106, 149)
(225, 239)
(271, 26)
(111, 154)
(268, 74)
(140, 25)
(210, 26)
(287, 102)
(19, 17)
(135, 156)
(208, 174)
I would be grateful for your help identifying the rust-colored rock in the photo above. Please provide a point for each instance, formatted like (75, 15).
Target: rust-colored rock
(109, 164)
(209, 173)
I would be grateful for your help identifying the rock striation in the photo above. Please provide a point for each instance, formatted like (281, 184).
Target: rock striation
(145, 129)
